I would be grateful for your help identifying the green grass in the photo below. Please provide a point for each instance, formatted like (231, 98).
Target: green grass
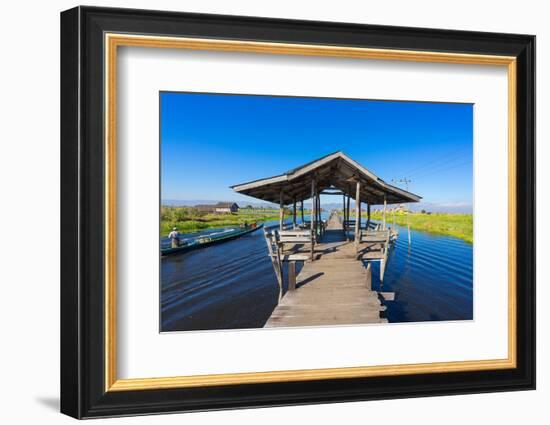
(189, 219)
(456, 225)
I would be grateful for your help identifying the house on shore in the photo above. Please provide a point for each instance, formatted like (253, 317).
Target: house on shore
(219, 208)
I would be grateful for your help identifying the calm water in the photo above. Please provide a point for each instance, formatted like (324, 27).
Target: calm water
(232, 285)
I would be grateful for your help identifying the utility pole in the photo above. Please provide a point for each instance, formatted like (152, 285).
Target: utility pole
(406, 182)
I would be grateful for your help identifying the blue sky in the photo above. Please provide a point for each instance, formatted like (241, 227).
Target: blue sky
(212, 141)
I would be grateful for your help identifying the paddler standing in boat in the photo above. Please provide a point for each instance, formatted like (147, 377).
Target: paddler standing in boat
(174, 237)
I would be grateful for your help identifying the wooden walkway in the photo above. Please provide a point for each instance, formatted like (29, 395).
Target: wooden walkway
(335, 289)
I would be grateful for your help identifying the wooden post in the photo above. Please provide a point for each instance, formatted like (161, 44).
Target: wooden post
(312, 227)
(291, 275)
(368, 215)
(316, 213)
(357, 211)
(384, 216)
(344, 212)
(319, 224)
(281, 211)
(275, 255)
(369, 277)
(302, 210)
(347, 215)
(360, 215)
(294, 214)
(312, 218)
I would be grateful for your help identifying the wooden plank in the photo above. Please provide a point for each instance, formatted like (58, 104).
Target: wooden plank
(387, 296)
(333, 290)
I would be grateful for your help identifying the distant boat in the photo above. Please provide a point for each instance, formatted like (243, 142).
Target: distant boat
(210, 239)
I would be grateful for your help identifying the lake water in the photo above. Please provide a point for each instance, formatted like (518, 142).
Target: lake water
(232, 285)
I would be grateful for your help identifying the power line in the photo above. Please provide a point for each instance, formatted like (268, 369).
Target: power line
(441, 169)
(443, 158)
(437, 165)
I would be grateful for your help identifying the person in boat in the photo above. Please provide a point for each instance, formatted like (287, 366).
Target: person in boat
(174, 237)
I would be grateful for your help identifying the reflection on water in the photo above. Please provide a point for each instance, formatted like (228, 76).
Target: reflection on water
(232, 285)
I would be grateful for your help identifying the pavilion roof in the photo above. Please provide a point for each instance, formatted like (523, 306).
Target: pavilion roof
(336, 170)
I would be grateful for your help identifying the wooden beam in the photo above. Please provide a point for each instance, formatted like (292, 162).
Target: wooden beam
(332, 193)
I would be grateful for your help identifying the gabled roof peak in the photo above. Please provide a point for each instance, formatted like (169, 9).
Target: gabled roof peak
(336, 170)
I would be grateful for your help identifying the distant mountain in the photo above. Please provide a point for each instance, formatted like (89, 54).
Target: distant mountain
(186, 203)
(441, 207)
(193, 202)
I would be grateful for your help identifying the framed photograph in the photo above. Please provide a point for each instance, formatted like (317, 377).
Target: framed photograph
(261, 212)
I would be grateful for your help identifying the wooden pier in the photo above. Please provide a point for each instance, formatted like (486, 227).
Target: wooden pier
(334, 285)
(334, 289)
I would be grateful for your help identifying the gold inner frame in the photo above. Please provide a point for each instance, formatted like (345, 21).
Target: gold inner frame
(113, 41)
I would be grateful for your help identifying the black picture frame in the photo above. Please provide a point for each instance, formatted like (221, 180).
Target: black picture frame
(83, 392)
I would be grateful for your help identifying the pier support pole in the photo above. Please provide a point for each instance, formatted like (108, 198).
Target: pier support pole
(281, 211)
(344, 212)
(384, 216)
(313, 205)
(357, 213)
(319, 220)
(347, 214)
(294, 215)
(368, 216)
(292, 275)
(302, 210)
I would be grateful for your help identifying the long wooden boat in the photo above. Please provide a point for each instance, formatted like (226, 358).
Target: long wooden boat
(208, 240)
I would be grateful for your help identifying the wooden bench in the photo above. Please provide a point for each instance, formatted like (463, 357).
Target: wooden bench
(375, 235)
(277, 257)
(307, 225)
(381, 237)
(295, 237)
